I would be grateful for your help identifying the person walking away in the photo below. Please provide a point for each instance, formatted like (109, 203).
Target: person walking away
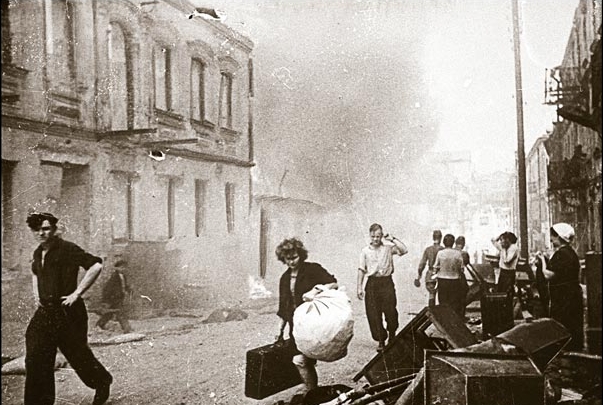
(298, 284)
(459, 244)
(61, 320)
(113, 296)
(379, 293)
(428, 258)
(562, 272)
(509, 256)
(448, 267)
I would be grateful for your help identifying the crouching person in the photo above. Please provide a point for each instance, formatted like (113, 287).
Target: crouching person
(297, 284)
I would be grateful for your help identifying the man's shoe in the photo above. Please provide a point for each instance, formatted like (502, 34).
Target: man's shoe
(102, 394)
(381, 346)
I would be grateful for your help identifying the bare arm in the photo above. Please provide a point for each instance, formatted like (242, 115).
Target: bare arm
(34, 282)
(400, 245)
(422, 263)
(510, 257)
(359, 284)
(89, 278)
(496, 242)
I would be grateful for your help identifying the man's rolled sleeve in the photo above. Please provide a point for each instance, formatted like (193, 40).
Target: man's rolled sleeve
(362, 262)
(82, 258)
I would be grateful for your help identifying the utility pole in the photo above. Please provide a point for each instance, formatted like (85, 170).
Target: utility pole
(521, 157)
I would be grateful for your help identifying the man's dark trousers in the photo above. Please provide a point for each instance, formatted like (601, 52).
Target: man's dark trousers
(55, 326)
(380, 301)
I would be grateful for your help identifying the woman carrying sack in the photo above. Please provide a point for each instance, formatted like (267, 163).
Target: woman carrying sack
(297, 284)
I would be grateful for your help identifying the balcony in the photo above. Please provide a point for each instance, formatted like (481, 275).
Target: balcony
(576, 90)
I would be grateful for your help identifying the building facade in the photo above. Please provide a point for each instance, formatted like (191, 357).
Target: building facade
(133, 124)
(574, 146)
(538, 214)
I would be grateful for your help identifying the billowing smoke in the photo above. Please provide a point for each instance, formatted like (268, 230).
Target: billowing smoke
(342, 103)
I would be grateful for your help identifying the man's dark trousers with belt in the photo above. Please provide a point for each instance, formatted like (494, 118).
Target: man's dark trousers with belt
(66, 328)
(380, 301)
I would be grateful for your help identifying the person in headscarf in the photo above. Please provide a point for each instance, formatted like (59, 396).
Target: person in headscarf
(562, 271)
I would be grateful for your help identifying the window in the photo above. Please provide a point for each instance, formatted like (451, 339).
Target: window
(122, 210)
(197, 90)
(163, 78)
(200, 190)
(61, 52)
(230, 206)
(121, 89)
(6, 38)
(226, 100)
(171, 204)
(8, 234)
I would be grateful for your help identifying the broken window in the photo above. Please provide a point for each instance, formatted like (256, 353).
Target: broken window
(61, 51)
(8, 233)
(6, 36)
(226, 100)
(122, 210)
(121, 90)
(171, 206)
(200, 196)
(230, 206)
(197, 90)
(162, 72)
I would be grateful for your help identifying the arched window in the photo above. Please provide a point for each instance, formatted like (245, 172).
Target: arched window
(61, 52)
(162, 70)
(120, 79)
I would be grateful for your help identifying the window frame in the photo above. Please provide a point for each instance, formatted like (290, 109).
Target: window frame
(198, 104)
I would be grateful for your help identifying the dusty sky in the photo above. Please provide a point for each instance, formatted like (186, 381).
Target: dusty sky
(351, 93)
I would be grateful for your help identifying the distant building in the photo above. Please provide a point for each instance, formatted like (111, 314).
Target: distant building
(574, 146)
(539, 221)
(132, 123)
(463, 202)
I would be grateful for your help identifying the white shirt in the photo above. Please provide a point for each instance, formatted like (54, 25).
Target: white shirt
(378, 261)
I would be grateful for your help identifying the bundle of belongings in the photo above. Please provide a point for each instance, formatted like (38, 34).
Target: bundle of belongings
(324, 326)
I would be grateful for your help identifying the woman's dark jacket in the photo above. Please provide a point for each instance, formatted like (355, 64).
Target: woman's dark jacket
(309, 275)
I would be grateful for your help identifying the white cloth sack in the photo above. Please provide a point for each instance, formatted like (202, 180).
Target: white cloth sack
(323, 327)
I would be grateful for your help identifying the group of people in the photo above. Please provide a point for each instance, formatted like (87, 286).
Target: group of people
(375, 287)
(61, 320)
(445, 276)
(445, 281)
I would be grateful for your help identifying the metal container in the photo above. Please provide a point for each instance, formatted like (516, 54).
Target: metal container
(497, 314)
(456, 378)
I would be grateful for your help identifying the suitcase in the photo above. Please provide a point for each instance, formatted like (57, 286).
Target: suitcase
(497, 314)
(269, 369)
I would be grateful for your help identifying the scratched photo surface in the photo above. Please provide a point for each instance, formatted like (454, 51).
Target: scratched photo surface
(181, 141)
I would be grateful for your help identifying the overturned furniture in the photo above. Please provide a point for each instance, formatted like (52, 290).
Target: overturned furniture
(538, 343)
(434, 328)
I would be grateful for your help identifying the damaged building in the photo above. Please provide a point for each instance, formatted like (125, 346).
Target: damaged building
(132, 122)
